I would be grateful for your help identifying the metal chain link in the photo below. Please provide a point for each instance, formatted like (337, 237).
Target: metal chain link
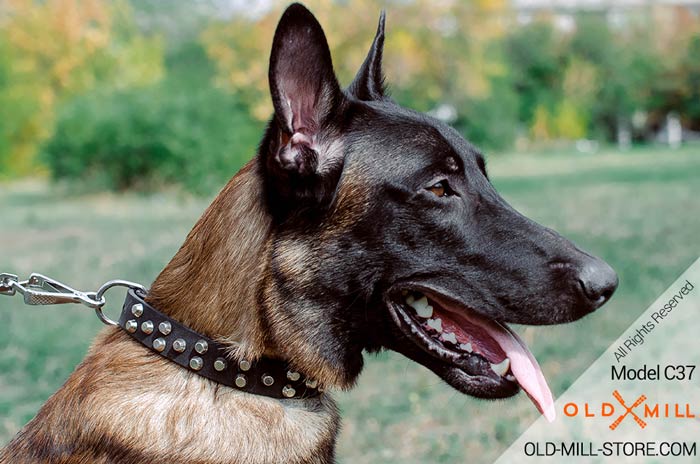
(42, 290)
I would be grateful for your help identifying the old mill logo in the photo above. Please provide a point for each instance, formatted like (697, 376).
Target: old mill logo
(640, 410)
(629, 410)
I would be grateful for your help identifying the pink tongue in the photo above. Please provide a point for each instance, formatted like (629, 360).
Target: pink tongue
(525, 368)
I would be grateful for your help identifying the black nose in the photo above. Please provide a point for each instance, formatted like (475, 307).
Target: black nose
(598, 281)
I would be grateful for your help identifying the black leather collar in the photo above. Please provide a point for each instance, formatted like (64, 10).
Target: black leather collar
(204, 356)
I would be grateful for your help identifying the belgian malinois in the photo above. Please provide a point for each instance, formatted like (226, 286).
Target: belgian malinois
(359, 226)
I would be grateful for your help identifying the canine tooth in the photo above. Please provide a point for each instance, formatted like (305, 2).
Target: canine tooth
(435, 324)
(510, 377)
(449, 337)
(409, 300)
(466, 347)
(502, 367)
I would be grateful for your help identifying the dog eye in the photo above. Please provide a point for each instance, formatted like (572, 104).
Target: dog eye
(441, 189)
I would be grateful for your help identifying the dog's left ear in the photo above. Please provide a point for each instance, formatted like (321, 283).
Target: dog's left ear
(369, 82)
(307, 100)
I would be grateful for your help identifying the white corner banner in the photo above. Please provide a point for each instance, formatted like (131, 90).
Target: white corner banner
(639, 402)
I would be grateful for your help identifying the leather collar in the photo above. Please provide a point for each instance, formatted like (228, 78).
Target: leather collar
(203, 356)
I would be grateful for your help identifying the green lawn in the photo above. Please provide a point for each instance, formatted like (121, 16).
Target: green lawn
(638, 210)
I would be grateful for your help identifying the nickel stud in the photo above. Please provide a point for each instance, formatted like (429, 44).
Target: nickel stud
(179, 345)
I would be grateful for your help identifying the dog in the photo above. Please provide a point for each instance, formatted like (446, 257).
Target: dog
(359, 226)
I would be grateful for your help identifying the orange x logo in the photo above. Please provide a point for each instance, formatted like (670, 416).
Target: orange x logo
(628, 410)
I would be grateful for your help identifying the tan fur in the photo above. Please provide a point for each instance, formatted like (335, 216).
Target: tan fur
(170, 415)
(297, 259)
(125, 404)
(301, 354)
(210, 285)
(352, 201)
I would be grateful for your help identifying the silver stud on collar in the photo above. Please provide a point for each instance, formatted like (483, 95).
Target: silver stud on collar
(288, 391)
(179, 345)
(241, 381)
(267, 380)
(159, 344)
(165, 328)
(201, 346)
(293, 376)
(220, 364)
(196, 363)
(244, 365)
(311, 383)
(131, 326)
(147, 327)
(137, 310)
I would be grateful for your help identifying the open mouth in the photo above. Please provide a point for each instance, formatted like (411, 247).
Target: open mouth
(484, 358)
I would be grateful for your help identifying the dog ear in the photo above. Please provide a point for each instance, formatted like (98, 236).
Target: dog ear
(369, 81)
(305, 94)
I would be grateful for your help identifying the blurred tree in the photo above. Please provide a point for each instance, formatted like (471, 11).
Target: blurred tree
(536, 60)
(591, 66)
(581, 89)
(19, 102)
(490, 122)
(626, 85)
(598, 87)
(151, 136)
(541, 124)
(642, 68)
(677, 87)
(60, 48)
(569, 121)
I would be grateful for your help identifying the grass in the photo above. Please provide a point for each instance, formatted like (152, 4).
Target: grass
(638, 210)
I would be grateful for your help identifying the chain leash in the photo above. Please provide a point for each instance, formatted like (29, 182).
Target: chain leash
(42, 290)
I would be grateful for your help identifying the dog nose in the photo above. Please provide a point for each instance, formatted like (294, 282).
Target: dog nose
(598, 281)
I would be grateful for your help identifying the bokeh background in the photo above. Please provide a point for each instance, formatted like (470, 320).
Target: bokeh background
(119, 121)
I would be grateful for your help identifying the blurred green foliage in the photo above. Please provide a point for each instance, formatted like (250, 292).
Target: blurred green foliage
(133, 93)
(55, 50)
(178, 131)
(157, 134)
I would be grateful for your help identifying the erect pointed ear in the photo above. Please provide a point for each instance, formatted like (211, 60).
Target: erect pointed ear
(305, 93)
(369, 81)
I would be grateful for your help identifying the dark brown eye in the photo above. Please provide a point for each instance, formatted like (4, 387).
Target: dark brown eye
(441, 189)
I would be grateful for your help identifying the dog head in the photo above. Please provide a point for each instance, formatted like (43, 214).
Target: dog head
(388, 234)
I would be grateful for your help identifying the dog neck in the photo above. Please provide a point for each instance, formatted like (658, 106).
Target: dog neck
(210, 285)
(124, 404)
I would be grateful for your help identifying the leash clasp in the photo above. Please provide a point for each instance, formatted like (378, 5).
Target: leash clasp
(42, 290)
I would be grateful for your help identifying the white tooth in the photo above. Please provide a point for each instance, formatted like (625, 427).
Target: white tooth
(425, 312)
(421, 307)
(502, 367)
(410, 300)
(466, 347)
(510, 377)
(449, 337)
(435, 324)
(420, 303)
